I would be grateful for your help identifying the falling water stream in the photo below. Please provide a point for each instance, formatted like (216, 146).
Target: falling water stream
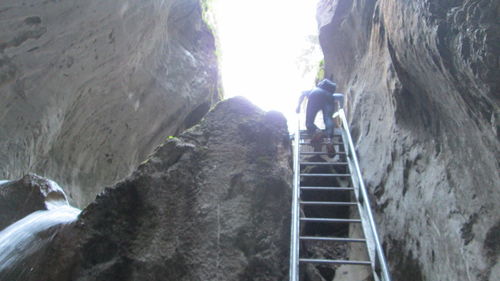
(26, 237)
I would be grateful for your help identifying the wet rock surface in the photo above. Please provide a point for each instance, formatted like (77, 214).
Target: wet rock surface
(424, 106)
(89, 90)
(210, 204)
(25, 196)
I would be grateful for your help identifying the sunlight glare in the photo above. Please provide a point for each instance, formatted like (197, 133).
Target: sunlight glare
(269, 50)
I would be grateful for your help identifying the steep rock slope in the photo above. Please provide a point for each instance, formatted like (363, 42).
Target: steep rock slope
(421, 79)
(88, 90)
(211, 204)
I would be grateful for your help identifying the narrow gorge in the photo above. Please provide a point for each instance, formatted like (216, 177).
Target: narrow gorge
(121, 103)
(422, 83)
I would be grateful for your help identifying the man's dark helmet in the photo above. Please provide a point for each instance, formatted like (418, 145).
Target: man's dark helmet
(327, 85)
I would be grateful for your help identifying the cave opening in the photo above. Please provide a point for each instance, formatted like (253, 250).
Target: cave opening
(268, 50)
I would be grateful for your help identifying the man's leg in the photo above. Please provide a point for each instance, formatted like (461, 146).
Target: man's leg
(327, 118)
(328, 109)
(312, 109)
(314, 105)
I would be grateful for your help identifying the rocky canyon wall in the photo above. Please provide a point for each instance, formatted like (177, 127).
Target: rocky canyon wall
(210, 204)
(88, 90)
(421, 79)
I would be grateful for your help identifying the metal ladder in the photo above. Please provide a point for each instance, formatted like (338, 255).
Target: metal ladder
(359, 198)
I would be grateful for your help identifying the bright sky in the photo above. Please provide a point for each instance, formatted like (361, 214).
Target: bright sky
(268, 48)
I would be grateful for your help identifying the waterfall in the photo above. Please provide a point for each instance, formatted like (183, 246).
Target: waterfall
(22, 241)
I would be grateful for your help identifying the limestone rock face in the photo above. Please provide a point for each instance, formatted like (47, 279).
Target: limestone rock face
(88, 90)
(421, 79)
(210, 204)
(25, 196)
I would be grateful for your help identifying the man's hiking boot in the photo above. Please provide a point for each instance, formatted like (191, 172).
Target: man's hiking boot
(330, 148)
(316, 140)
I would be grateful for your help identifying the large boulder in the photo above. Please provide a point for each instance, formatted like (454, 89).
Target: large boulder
(29, 194)
(88, 90)
(421, 79)
(210, 204)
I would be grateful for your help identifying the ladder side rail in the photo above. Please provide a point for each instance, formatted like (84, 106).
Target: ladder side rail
(365, 199)
(295, 229)
(355, 180)
(368, 232)
(355, 177)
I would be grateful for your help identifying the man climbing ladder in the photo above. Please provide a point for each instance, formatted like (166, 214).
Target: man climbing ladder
(319, 183)
(321, 98)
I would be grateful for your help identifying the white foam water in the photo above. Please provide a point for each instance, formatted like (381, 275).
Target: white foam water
(28, 235)
(20, 239)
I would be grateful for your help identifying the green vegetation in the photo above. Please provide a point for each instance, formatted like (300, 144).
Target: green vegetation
(220, 90)
(207, 14)
(209, 19)
(321, 72)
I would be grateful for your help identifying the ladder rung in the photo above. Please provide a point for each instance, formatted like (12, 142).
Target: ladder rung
(308, 136)
(305, 132)
(332, 188)
(336, 140)
(334, 129)
(336, 261)
(335, 239)
(322, 143)
(323, 163)
(328, 203)
(325, 175)
(331, 220)
(320, 153)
